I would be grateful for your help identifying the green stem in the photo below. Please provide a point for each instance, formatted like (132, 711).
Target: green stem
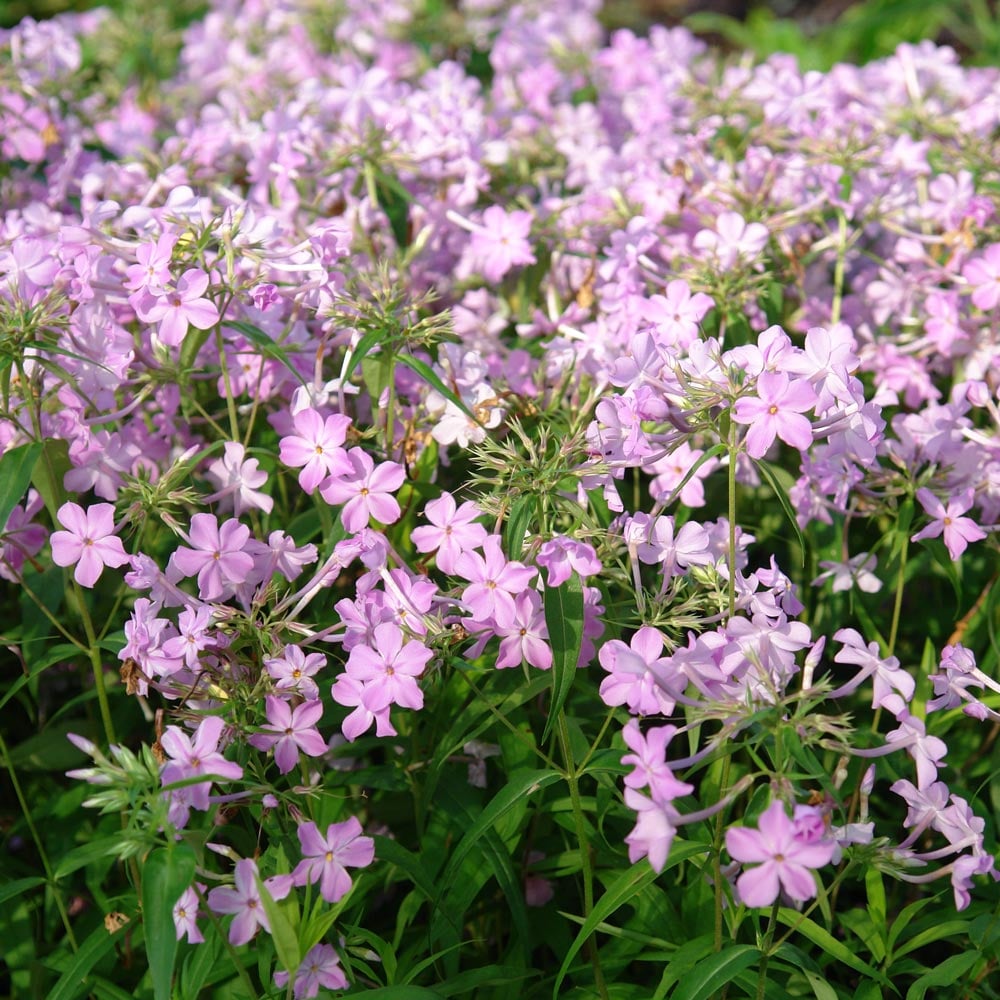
(39, 846)
(234, 423)
(586, 868)
(766, 951)
(97, 668)
(717, 839)
(898, 606)
(838, 269)
(732, 517)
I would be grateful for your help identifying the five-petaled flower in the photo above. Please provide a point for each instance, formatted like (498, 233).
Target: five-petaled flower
(89, 541)
(325, 859)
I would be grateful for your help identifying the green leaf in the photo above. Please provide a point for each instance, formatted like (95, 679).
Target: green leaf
(166, 873)
(464, 983)
(564, 620)
(267, 347)
(397, 993)
(361, 350)
(822, 990)
(16, 468)
(517, 523)
(430, 376)
(14, 889)
(623, 890)
(713, 452)
(86, 854)
(945, 974)
(713, 972)
(825, 940)
(73, 980)
(771, 478)
(940, 929)
(286, 942)
(47, 474)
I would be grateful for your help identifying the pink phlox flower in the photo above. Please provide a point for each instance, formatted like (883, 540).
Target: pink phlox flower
(776, 411)
(649, 760)
(654, 830)
(500, 242)
(779, 598)
(290, 730)
(319, 968)
(244, 900)
(195, 758)
(958, 674)
(21, 538)
(151, 272)
(911, 735)
(858, 572)
(886, 673)
(285, 557)
(145, 635)
(195, 634)
(410, 598)
(655, 541)
(360, 617)
(239, 479)
(524, 637)
(327, 858)
(454, 425)
(958, 531)
(294, 670)
(186, 915)
(761, 654)
(350, 692)
(493, 580)
(562, 556)
(217, 555)
(676, 314)
(962, 871)
(924, 805)
(983, 275)
(316, 447)
(772, 353)
(670, 470)
(452, 530)
(89, 541)
(634, 674)
(389, 671)
(784, 858)
(366, 492)
(732, 240)
(178, 308)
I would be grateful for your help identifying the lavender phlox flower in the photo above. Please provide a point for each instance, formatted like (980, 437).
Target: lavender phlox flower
(958, 531)
(366, 492)
(244, 900)
(639, 676)
(319, 968)
(858, 572)
(186, 915)
(389, 671)
(151, 272)
(239, 479)
(453, 529)
(776, 411)
(174, 309)
(670, 470)
(294, 670)
(886, 673)
(676, 314)
(349, 692)
(648, 759)
(454, 425)
(786, 852)
(195, 634)
(983, 276)
(500, 242)
(732, 240)
(89, 542)
(290, 731)
(326, 858)
(194, 758)
(315, 447)
(493, 579)
(21, 538)
(654, 541)
(951, 687)
(524, 636)
(562, 556)
(217, 555)
(778, 599)
(911, 735)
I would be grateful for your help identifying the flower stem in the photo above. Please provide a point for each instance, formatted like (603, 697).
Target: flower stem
(586, 868)
(766, 951)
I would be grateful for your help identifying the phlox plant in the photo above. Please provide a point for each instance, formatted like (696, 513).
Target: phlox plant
(508, 514)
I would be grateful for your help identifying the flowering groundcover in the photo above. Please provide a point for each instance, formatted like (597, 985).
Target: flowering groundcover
(493, 507)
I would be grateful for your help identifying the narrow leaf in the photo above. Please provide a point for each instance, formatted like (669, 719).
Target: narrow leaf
(13, 889)
(16, 467)
(713, 972)
(286, 942)
(825, 940)
(770, 477)
(564, 620)
(517, 524)
(73, 981)
(166, 873)
(430, 376)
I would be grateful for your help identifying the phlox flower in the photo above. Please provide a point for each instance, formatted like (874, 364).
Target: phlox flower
(654, 830)
(389, 671)
(366, 491)
(186, 915)
(886, 673)
(319, 968)
(785, 857)
(951, 687)
(452, 530)
(217, 555)
(633, 673)
(958, 531)
(350, 692)
(293, 671)
(290, 730)
(676, 314)
(983, 275)
(151, 272)
(89, 541)
(239, 479)
(193, 758)
(776, 411)
(315, 447)
(501, 242)
(524, 637)
(180, 307)
(194, 628)
(858, 572)
(563, 556)
(244, 900)
(733, 239)
(648, 759)
(327, 858)
(493, 580)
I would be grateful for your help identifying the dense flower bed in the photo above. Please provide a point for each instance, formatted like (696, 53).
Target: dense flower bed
(540, 493)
